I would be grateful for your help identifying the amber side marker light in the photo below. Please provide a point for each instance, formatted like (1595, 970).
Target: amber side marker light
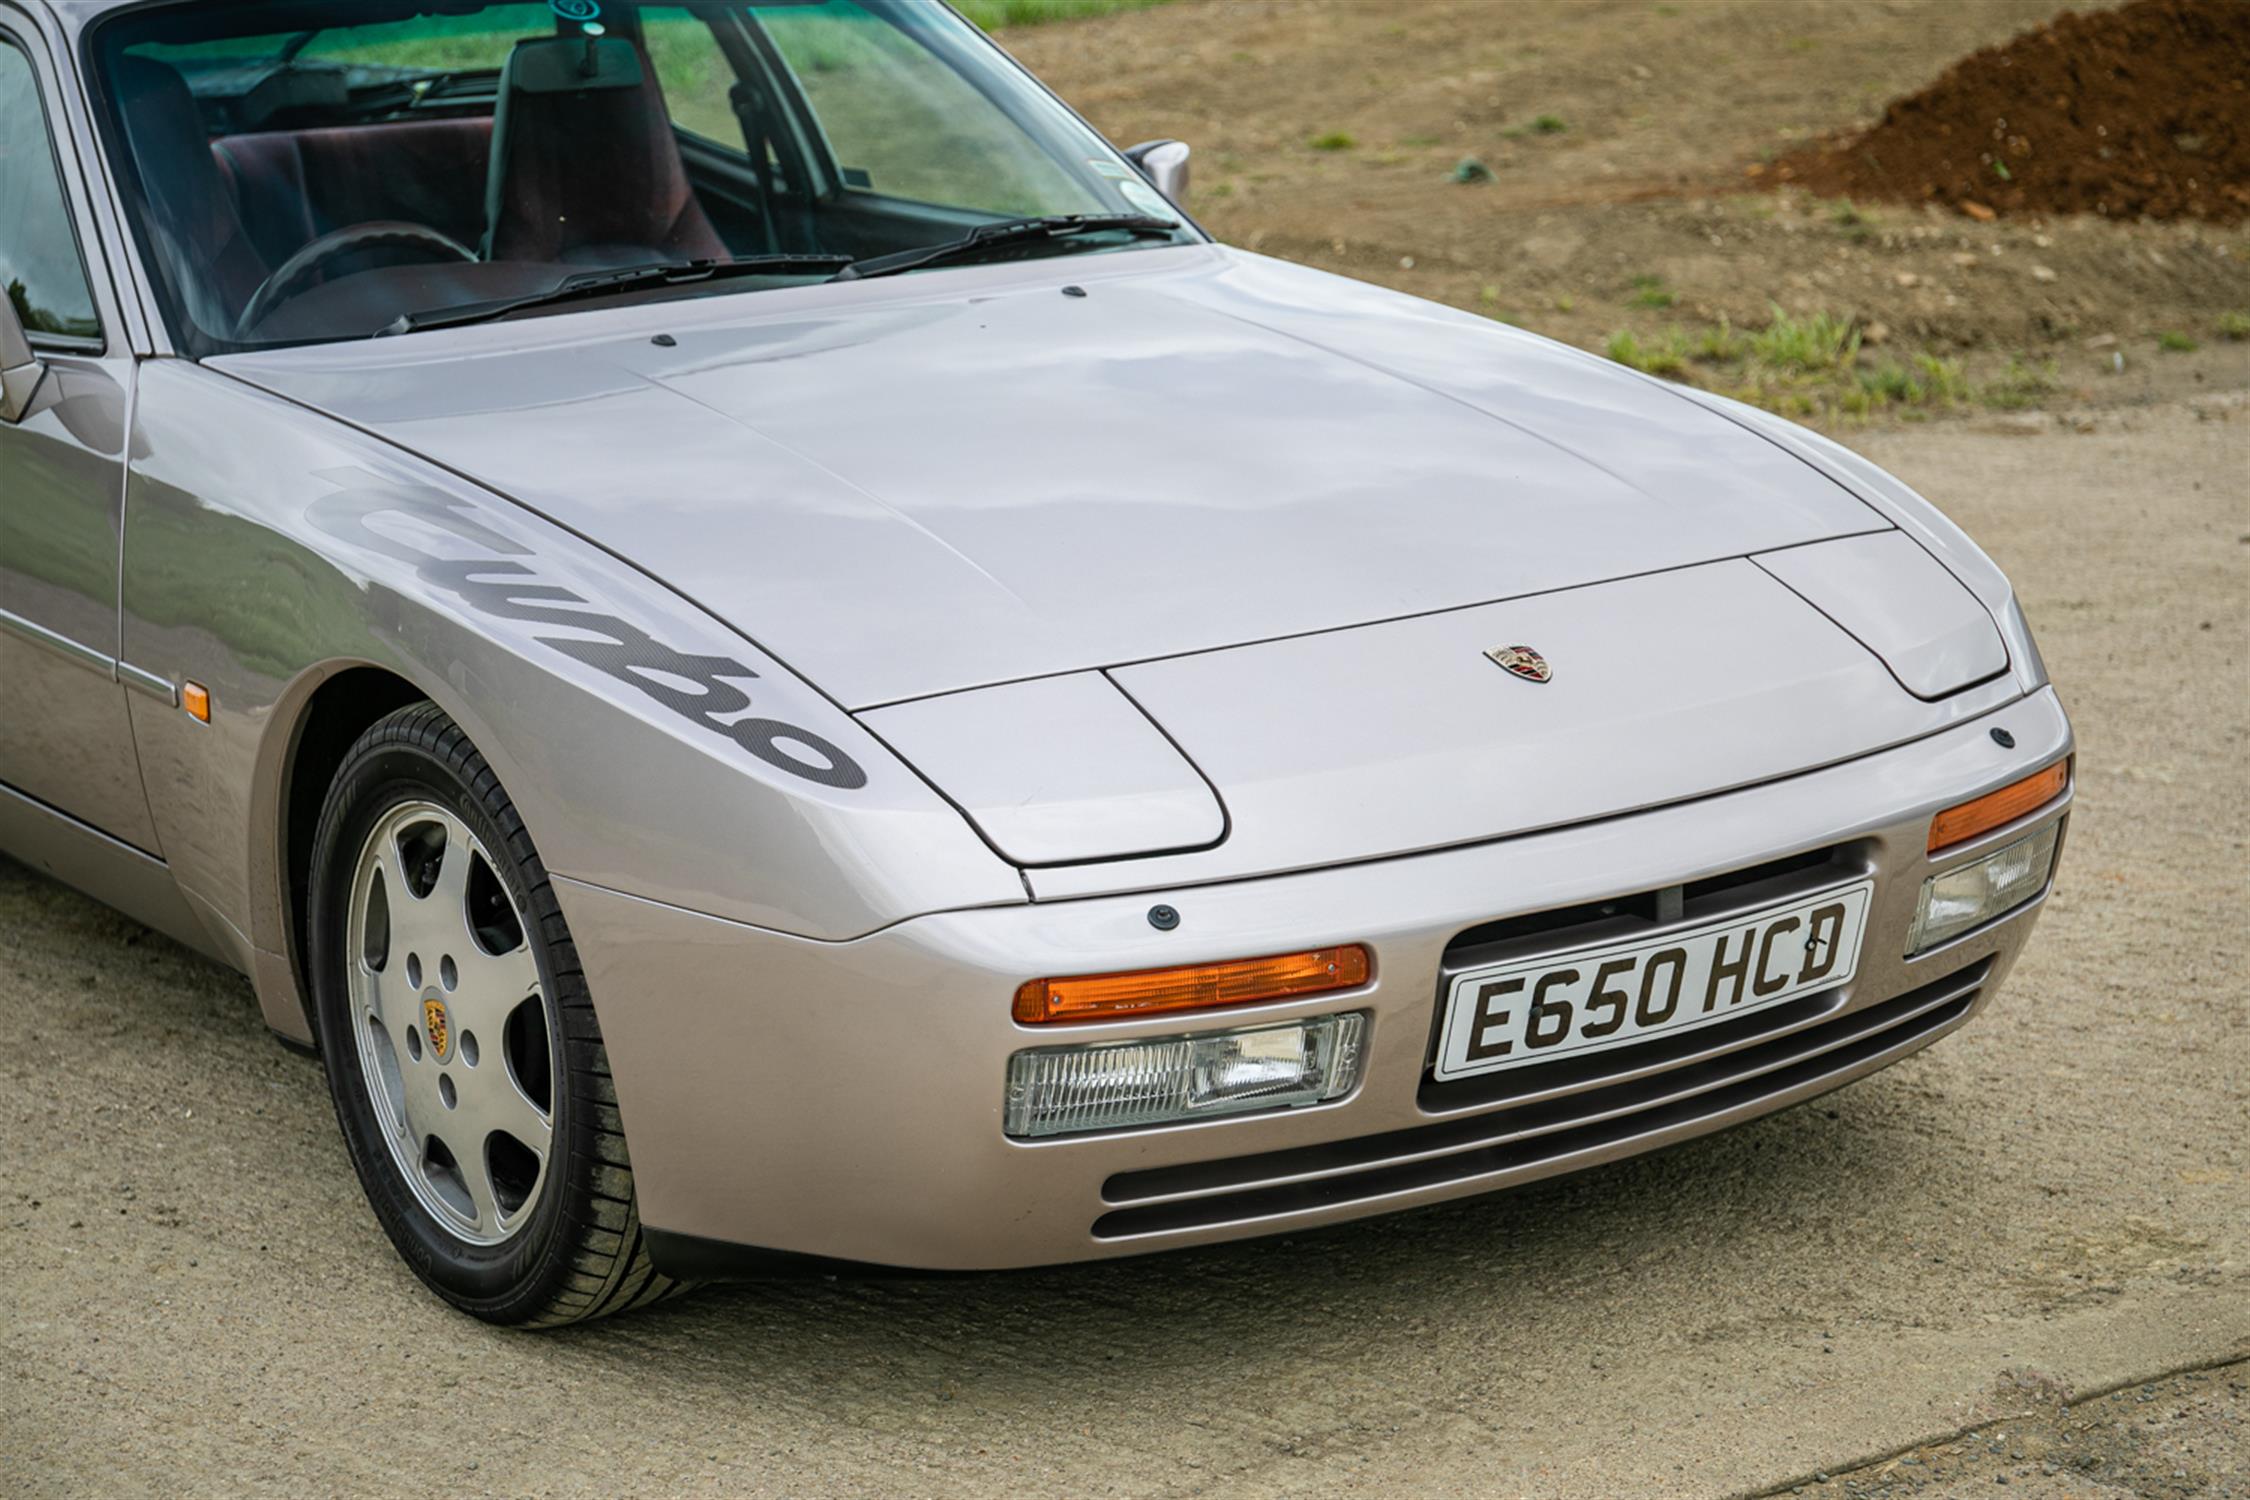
(1958, 825)
(1105, 997)
(196, 699)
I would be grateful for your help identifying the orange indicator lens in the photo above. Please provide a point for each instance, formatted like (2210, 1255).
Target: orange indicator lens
(196, 699)
(1107, 997)
(1959, 824)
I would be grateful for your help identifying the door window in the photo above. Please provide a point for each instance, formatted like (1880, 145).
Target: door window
(694, 72)
(904, 124)
(39, 263)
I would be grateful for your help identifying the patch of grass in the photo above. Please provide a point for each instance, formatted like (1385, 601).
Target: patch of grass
(1813, 344)
(2172, 341)
(1942, 378)
(1566, 303)
(1857, 223)
(992, 14)
(2234, 326)
(1650, 291)
(2020, 385)
(1333, 140)
(1926, 382)
(1548, 125)
(1663, 357)
(1813, 366)
(1717, 345)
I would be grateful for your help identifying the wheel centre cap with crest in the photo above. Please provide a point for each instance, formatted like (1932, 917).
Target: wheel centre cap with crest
(1521, 661)
(437, 1027)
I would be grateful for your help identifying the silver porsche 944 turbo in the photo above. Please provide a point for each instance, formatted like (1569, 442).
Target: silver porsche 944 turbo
(731, 577)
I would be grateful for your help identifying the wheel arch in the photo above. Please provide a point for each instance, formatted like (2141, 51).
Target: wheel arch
(315, 725)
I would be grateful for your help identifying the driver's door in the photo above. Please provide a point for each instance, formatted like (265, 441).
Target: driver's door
(65, 739)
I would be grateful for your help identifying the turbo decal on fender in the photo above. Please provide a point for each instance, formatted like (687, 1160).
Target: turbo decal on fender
(502, 587)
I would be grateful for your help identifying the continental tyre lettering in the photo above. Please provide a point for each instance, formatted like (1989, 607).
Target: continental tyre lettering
(705, 690)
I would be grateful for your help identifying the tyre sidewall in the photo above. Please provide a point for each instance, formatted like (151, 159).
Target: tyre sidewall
(514, 1278)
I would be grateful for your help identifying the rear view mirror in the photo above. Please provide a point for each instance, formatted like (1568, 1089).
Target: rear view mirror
(1165, 165)
(20, 369)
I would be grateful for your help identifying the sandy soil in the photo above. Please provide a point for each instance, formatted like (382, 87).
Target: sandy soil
(195, 1299)
(1667, 111)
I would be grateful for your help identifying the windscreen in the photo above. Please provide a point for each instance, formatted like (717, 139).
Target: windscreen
(302, 172)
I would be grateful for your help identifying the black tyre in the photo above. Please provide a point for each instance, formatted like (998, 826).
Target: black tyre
(462, 1051)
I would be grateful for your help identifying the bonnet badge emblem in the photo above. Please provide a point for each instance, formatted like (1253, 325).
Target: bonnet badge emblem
(1521, 661)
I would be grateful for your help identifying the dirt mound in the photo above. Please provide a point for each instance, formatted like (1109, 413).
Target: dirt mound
(2131, 112)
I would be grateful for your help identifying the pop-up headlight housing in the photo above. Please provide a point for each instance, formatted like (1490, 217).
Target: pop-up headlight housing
(1058, 770)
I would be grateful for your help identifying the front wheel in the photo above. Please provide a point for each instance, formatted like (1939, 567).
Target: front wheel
(462, 1051)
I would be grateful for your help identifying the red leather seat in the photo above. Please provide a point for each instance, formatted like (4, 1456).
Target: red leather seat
(586, 168)
(292, 186)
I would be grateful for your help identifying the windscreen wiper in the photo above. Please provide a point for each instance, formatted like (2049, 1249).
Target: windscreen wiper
(590, 284)
(987, 237)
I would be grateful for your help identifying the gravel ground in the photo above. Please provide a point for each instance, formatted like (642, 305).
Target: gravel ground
(195, 1299)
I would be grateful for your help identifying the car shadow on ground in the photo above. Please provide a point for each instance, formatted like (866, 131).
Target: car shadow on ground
(1538, 1269)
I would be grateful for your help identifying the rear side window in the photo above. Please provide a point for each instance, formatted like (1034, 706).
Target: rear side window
(39, 262)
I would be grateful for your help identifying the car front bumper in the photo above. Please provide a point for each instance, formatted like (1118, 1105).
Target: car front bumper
(844, 1100)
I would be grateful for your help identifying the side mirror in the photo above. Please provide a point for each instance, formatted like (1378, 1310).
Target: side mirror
(20, 369)
(1165, 165)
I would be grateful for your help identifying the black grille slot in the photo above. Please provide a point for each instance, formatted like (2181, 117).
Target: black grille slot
(1400, 1161)
(1626, 914)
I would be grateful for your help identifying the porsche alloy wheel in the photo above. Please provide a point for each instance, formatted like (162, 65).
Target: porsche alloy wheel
(464, 1059)
(450, 1023)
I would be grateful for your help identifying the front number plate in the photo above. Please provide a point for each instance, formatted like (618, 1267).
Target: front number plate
(1553, 1005)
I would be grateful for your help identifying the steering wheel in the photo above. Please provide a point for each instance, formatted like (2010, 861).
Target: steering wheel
(380, 234)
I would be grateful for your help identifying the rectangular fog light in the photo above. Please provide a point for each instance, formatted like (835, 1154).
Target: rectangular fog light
(1115, 1085)
(2000, 882)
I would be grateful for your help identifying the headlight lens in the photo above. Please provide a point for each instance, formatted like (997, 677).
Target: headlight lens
(1977, 892)
(1115, 1085)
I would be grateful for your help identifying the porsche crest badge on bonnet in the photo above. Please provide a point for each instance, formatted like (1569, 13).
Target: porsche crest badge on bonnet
(1521, 661)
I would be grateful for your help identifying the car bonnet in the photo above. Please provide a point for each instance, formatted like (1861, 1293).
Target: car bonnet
(973, 476)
